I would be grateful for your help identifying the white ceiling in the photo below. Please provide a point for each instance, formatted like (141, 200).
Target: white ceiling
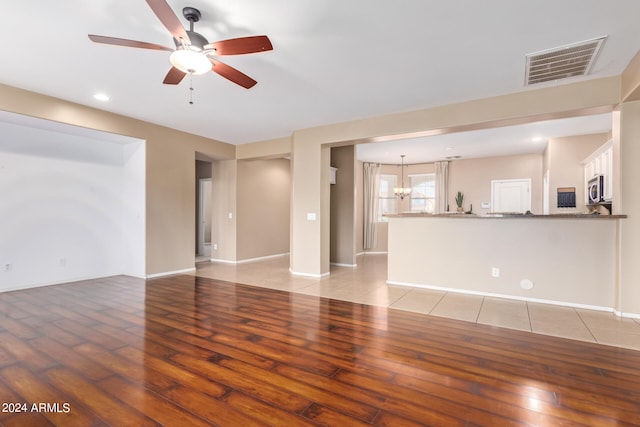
(503, 141)
(332, 61)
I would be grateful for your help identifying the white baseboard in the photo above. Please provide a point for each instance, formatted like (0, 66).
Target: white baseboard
(243, 261)
(627, 315)
(223, 261)
(517, 298)
(170, 273)
(57, 282)
(262, 258)
(337, 264)
(315, 276)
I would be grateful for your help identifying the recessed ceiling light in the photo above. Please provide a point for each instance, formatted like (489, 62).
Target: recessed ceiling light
(101, 97)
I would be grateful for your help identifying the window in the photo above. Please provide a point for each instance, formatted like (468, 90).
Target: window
(423, 192)
(386, 198)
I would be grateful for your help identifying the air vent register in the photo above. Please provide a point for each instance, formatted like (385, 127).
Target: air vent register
(560, 63)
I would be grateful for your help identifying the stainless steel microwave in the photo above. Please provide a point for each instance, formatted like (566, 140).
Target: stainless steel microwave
(595, 187)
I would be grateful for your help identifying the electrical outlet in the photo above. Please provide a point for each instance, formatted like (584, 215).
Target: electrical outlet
(495, 272)
(215, 246)
(63, 262)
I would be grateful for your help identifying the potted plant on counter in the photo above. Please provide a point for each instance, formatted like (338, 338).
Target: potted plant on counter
(459, 200)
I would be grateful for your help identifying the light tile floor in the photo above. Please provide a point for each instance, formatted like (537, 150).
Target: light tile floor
(366, 284)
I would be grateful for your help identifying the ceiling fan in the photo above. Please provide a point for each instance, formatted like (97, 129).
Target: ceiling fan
(193, 53)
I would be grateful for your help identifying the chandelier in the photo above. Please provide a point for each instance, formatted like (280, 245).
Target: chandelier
(403, 191)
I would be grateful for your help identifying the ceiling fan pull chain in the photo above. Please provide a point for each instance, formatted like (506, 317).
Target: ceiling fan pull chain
(190, 88)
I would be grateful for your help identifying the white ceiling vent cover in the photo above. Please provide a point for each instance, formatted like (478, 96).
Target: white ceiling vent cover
(562, 62)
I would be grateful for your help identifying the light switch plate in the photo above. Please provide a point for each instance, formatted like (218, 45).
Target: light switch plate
(311, 216)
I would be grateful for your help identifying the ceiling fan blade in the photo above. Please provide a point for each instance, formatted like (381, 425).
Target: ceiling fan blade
(174, 76)
(232, 74)
(128, 43)
(169, 19)
(241, 45)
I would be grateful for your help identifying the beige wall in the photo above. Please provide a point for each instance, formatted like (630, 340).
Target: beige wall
(631, 80)
(628, 137)
(473, 177)
(273, 148)
(263, 207)
(224, 223)
(586, 97)
(343, 209)
(359, 226)
(558, 255)
(565, 157)
(310, 202)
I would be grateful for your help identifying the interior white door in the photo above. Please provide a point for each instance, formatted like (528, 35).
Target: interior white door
(204, 217)
(511, 195)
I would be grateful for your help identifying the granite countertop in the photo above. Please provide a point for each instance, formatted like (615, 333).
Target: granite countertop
(506, 215)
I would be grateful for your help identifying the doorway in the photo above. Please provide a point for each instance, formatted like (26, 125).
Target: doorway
(204, 207)
(204, 218)
(511, 195)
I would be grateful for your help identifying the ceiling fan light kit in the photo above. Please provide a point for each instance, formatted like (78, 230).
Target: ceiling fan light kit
(193, 54)
(190, 62)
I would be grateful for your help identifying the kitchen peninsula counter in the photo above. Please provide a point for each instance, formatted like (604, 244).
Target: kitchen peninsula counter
(506, 215)
(569, 259)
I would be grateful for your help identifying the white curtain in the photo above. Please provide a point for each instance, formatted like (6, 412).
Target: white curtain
(442, 186)
(371, 190)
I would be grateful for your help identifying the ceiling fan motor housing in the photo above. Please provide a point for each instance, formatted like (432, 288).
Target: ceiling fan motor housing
(192, 15)
(197, 40)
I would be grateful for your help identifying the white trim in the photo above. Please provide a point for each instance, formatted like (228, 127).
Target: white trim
(511, 297)
(337, 264)
(64, 281)
(170, 273)
(315, 276)
(223, 261)
(627, 315)
(373, 253)
(244, 261)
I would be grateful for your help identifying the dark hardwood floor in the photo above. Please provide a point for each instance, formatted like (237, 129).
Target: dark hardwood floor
(189, 351)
